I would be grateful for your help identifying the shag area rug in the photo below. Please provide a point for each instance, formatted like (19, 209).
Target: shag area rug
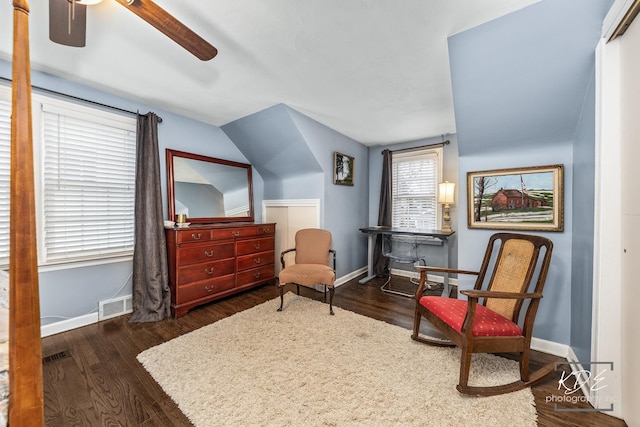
(303, 367)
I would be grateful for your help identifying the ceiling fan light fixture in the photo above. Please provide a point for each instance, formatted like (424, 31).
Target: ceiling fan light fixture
(88, 2)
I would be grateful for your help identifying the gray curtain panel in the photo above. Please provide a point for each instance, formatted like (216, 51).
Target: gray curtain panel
(151, 294)
(380, 262)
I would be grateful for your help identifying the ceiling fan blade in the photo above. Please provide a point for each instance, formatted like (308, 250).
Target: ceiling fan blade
(67, 23)
(171, 27)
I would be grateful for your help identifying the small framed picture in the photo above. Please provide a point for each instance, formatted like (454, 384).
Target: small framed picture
(529, 198)
(343, 169)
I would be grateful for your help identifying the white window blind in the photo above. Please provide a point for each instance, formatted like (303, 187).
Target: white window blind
(87, 183)
(5, 173)
(415, 182)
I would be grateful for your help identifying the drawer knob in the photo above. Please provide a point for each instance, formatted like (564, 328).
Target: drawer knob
(266, 230)
(209, 253)
(208, 289)
(256, 245)
(236, 233)
(256, 275)
(196, 236)
(209, 271)
(257, 260)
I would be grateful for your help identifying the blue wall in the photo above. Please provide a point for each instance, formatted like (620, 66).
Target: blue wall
(523, 96)
(295, 155)
(345, 207)
(582, 245)
(293, 152)
(74, 292)
(521, 80)
(554, 315)
(275, 147)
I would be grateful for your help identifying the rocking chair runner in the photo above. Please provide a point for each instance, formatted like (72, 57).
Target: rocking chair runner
(492, 326)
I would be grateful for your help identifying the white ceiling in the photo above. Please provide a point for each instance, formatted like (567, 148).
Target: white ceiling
(374, 70)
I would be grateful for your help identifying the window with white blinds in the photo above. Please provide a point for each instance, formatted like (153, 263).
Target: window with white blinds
(5, 166)
(415, 177)
(88, 184)
(85, 179)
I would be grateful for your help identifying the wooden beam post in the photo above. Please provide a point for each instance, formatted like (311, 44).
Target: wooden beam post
(25, 343)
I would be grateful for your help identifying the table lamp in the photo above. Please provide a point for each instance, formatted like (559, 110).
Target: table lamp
(446, 192)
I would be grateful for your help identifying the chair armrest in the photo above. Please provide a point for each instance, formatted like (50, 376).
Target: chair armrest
(472, 293)
(333, 251)
(283, 253)
(423, 275)
(444, 270)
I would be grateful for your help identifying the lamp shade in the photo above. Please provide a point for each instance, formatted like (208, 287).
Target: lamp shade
(446, 191)
(88, 2)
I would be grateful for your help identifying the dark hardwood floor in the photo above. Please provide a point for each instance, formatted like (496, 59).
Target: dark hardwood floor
(92, 377)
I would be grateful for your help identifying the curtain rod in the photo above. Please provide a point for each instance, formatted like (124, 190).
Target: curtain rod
(421, 147)
(53, 92)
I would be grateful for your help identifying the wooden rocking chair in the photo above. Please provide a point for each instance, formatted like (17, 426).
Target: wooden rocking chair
(493, 325)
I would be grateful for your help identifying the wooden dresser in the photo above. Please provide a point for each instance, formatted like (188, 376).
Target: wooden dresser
(211, 261)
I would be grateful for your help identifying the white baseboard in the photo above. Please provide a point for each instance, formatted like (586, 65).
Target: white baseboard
(350, 276)
(579, 372)
(68, 324)
(551, 347)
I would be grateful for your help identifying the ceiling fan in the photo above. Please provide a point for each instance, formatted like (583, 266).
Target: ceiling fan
(68, 24)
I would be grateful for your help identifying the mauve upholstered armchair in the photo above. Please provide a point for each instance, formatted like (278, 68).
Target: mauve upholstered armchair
(313, 263)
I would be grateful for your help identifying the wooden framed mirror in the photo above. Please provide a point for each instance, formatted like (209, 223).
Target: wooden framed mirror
(208, 189)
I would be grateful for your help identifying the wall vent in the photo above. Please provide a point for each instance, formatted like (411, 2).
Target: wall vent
(115, 307)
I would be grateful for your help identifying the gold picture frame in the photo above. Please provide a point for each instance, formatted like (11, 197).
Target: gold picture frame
(529, 198)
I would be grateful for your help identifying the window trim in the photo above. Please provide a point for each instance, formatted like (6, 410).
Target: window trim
(39, 103)
(411, 154)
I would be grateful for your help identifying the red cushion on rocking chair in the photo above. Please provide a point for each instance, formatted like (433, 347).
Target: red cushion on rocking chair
(486, 323)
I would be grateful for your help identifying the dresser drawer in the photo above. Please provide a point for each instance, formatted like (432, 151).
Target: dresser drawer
(188, 293)
(256, 275)
(232, 233)
(265, 229)
(194, 254)
(204, 271)
(255, 245)
(193, 235)
(259, 259)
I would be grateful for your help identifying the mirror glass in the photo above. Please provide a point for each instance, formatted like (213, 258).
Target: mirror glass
(207, 189)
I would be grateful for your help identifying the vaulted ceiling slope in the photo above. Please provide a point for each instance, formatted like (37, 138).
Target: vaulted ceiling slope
(273, 144)
(522, 79)
(374, 70)
(283, 144)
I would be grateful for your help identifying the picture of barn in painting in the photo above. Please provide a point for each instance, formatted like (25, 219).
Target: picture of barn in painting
(514, 199)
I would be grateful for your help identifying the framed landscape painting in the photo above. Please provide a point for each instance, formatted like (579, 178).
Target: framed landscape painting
(528, 198)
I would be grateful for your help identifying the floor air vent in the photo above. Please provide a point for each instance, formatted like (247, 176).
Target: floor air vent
(115, 307)
(56, 356)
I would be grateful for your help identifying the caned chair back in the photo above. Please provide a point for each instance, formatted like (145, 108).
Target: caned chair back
(513, 270)
(312, 246)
